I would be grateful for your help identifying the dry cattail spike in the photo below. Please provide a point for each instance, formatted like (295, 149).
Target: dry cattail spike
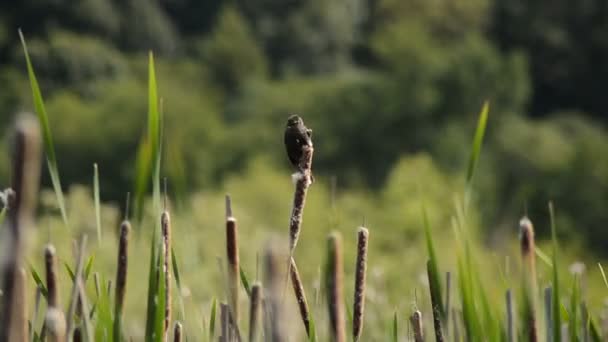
(177, 332)
(121, 275)
(303, 180)
(54, 322)
(298, 289)
(273, 273)
(165, 221)
(232, 253)
(50, 262)
(416, 321)
(526, 235)
(360, 275)
(254, 311)
(25, 179)
(334, 286)
(435, 304)
(77, 336)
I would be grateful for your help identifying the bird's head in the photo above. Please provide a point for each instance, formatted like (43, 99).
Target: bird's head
(294, 121)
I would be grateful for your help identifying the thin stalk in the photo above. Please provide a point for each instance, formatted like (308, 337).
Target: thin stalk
(166, 250)
(510, 315)
(298, 289)
(548, 310)
(333, 288)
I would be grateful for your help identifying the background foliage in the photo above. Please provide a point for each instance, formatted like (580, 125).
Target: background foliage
(391, 89)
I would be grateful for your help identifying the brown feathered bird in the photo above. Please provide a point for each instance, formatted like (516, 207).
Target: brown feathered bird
(296, 137)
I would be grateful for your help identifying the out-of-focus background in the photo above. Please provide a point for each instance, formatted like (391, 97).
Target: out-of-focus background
(391, 89)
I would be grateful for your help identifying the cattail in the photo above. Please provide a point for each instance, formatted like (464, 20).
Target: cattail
(254, 311)
(529, 278)
(298, 289)
(303, 181)
(77, 336)
(548, 293)
(360, 275)
(416, 321)
(54, 322)
(25, 178)
(121, 276)
(435, 303)
(177, 332)
(165, 220)
(232, 253)
(334, 286)
(225, 322)
(50, 262)
(273, 273)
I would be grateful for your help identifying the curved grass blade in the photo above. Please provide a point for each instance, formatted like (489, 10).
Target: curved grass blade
(46, 132)
(477, 142)
(38, 281)
(433, 269)
(245, 281)
(178, 281)
(603, 274)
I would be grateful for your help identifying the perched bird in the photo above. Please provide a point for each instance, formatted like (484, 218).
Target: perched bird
(296, 137)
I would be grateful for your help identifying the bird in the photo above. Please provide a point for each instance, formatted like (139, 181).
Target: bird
(297, 135)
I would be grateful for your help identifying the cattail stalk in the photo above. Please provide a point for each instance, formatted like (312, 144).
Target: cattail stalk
(448, 302)
(303, 181)
(529, 279)
(121, 277)
(165, 220)
(360, 276)
(232, 253)
(254, 311)
(177, 332)
(77, 336)
(298, 289)
(433, 286)
(272, 282)
(416, 321)
(225, 322)
(21, 205)
(50, 262)
(548, 293)
(334, 286)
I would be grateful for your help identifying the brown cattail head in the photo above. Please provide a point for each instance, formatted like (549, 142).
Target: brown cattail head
(121, 272)
(25, 179)
(433, 289)
(416, 321)
(177, 332)
(232, 253)
(77, 336)
(526, 231)
(165, 220)
(26, 171)
(55, 324)
(334, 286)
(50, 262)
(303, 181)
(360, 276)
(254, 311)
(298, 289)
(274, 270)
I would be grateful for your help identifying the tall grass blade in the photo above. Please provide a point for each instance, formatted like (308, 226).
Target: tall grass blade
(574, 319)
(557, 322)
(477, 142)
(245, 281)
(97, 202)
(395, 328)
(47, 137)
(212, 320)
(178, 282)
(603, 274)
(433, 269)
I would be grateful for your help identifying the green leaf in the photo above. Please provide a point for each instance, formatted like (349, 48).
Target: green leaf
(434, 277)
(594, 332)
(88, 267)
(70, 271)
(39, 282)
(603, 274)
(543, 257)
(245, 282)
(212, 320)
(2, 215)
(312, 330)
(477, 142)
(178, 282)
(46, 132)
(97, 201)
